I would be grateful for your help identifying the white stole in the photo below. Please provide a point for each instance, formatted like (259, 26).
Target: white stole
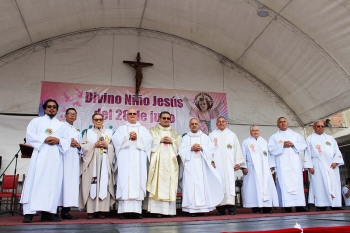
(93, 137)
(259, 155)
(323, 150)
(287, 166)
(197, 162)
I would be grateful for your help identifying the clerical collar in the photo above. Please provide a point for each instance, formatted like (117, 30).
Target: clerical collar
(130, 124)
(198, 134)
(164, 128)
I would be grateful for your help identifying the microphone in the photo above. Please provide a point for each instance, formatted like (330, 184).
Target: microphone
(25, 140)
(102, 149)
(101, 138)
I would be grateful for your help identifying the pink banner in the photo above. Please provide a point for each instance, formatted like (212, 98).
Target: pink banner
(113, 102)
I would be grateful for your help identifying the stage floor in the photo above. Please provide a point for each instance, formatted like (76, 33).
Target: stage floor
(239, 222)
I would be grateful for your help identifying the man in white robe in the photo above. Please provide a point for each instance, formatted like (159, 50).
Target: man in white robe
(97, 163)
(323, 158)
(202, 188)
(71, 167)
(164, 169)
(43, 184)
(285, 146)
(259, 190)
(132, 143)
(227, 159)
(346, 192)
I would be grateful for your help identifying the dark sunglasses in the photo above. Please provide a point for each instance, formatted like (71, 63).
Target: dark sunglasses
(166, 118)
(320, 126)
(51, 106)
(132, 113)
(98, 119)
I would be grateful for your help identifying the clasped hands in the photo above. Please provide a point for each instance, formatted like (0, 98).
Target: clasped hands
(133, 135)
(74, 143)
(288, 144)
(101, 144)
(52, 140)
(166, 140)
(196, 147)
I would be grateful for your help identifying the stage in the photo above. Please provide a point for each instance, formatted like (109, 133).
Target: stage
(243, 221)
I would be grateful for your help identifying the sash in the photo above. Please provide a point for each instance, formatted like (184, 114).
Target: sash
(103, 179)
(290, 180)
(322, 149)
(134, 180)
(199, 187)
(258, 152)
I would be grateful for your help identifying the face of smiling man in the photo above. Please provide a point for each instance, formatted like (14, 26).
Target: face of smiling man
(132, 116)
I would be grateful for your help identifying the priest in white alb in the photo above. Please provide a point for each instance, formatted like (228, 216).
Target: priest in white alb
(202, 188)
(285, 145)
(132, 143)
(227, 159)
(259, 190)
(97, 163)
(71, 167)
(43, 184)
(323, 158)
(164, 169)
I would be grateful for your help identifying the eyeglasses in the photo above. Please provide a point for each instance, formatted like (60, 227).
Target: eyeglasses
(72, 114)
(320, 126)
(51, 106)
(132, 113)
(166, 118)
(98, 119)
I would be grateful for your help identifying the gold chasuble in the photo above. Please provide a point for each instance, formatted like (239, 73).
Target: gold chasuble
(164, 168)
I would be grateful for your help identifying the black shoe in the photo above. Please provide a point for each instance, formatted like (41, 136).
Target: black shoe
(68, 216)
(323, 208)
(287, 210)
(231, 212)
(28, 218)
(301, 209)
(91, 216)
(193, 215)
(159, 216)
(48, 217)
(138, 216)
(220, 213)
(336, 208)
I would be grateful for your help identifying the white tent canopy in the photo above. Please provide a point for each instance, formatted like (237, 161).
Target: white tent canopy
(300, 51)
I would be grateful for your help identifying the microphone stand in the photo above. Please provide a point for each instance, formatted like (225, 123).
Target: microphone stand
(13, 195)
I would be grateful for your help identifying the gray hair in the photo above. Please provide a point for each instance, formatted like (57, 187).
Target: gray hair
(251, 127)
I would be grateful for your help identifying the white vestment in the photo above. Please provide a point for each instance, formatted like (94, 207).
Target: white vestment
(325, 187)
(202, 188)
(43, 184)
(289, 168)
(259, 189)
(227, 154)
(71, 170)
(131, 167)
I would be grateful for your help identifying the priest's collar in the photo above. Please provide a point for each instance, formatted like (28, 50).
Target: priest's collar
(49, 117)
(129, 124)
(164, 128)
(198, 134)
(254, 137)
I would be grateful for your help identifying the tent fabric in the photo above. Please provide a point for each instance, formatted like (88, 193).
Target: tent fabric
(289, 62)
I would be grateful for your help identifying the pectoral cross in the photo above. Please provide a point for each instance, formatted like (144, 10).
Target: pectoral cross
(138, 68)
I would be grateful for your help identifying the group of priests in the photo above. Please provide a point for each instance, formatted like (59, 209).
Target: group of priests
(144, 169)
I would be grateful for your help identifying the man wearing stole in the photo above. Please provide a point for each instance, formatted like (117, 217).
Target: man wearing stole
(259, 190)
(71, 167)
(285, 146)
(227, 159)
(97, 180)
(43, 184)
(164, 169)
(132, 143)
(202, 186)
(323, 158)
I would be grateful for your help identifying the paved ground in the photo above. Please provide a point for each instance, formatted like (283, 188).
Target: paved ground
(268, 223)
